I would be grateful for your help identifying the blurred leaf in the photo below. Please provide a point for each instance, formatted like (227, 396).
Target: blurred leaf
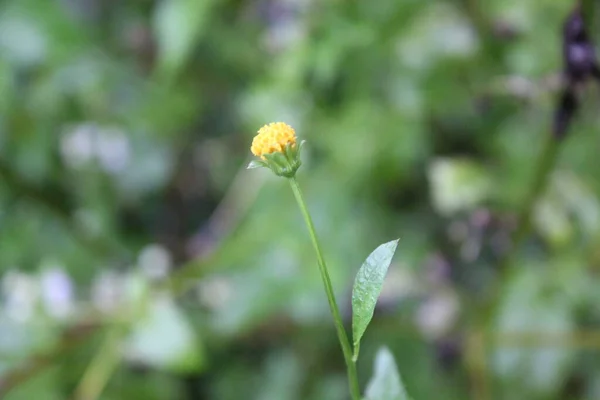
(567, 204)
(441, 31)
(23, 338)
(531, 304)
(552, 221)
(178, 25)
(386, 383)
(151, 164)
(151, 385)
(164, 339)
(282, 377)
(32, 46)
(45, 386)
(457, 185)
(331, 387)
(367, 288)
(246, 299)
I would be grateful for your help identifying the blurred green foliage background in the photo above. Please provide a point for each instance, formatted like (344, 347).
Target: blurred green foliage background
(124, 133)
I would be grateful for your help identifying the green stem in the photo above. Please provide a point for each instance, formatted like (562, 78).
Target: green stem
(339, 325)
(543, 172)
(507, 266)
(110, 354)
(102, 366)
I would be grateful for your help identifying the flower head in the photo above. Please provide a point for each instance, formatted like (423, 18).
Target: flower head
(276, 146)
(273, 138)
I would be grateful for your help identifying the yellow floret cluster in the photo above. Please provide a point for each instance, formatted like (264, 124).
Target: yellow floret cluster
(273, 138)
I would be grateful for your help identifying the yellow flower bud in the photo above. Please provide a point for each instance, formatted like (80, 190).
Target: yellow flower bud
(272, 138)
(276, 146)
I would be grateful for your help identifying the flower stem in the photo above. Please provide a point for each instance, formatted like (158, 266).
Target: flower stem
(339, 325)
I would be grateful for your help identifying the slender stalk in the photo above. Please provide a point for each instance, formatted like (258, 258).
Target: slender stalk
(507, 268)
(102, 366)
(540, 180)
(110, 354)
(543, 172)
(339, 325)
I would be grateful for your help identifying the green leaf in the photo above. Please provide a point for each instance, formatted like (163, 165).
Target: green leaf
(367, 288)
(385, 383)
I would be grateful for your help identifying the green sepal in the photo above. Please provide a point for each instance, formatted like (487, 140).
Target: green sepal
(256, 164)
(279, 159)
(284, 163)
(293, 152)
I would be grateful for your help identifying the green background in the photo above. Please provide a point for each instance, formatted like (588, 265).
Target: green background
(125, 129)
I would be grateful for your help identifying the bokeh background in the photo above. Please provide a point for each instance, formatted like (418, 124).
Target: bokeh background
(139, 259)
